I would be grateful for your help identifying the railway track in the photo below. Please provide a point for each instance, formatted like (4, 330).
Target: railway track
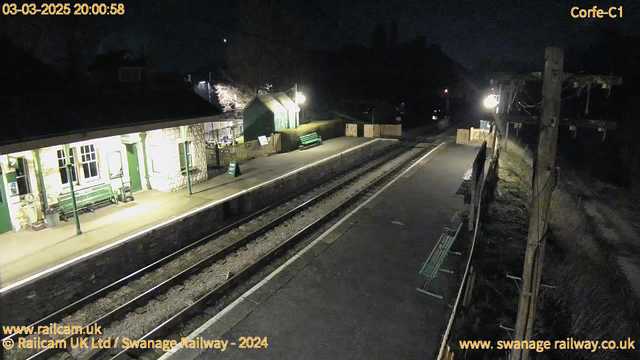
(263, 239)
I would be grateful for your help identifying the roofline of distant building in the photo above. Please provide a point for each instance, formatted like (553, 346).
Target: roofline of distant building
(38, 143)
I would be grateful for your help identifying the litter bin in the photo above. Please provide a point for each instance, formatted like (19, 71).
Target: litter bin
(51, 217)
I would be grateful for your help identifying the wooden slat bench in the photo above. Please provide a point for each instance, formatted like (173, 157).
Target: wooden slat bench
(433, 266)
(464, 189)
(86, 199)
(310, 140)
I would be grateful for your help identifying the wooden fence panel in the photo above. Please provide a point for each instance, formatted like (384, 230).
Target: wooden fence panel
(390, 130)
(371, 130)
(462, 137)
(351, 130)
(248, 150)
(479, 135)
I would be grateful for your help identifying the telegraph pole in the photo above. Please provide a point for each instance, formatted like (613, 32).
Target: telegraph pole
(543, 179)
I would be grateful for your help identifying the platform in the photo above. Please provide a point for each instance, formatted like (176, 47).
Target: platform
(351, 294)
(27, 253)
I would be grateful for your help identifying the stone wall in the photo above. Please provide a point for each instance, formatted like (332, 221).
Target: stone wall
(168, 176)
(33, 300)
(164, 158)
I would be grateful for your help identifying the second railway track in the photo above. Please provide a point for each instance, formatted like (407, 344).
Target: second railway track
(172, 292)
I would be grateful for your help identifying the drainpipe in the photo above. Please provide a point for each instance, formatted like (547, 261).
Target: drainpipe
(43, 191)
(143, 138)
(73, 193)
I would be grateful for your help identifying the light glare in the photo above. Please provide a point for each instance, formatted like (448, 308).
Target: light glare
(491, 101)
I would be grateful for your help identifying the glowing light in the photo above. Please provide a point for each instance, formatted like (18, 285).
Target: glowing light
(300, 99)
(225, 40)
(446, 91)
(491, 101)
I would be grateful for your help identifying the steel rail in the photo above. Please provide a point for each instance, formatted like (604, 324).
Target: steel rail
(162, 287)
(58, 315)
(258, 265)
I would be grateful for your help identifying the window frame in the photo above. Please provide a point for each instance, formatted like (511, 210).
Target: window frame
(22, 173)
(74, 167)
(87, 159)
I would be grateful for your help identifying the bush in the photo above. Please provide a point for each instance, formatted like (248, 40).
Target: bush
(326, 129)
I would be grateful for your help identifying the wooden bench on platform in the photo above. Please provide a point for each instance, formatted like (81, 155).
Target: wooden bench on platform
(310, 140)
(433, 266)
(86, 199)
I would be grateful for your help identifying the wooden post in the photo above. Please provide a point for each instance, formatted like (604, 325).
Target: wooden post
(506, 137)
(542, 184)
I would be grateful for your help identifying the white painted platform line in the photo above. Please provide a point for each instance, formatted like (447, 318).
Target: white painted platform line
(257, 286)
(194, 211)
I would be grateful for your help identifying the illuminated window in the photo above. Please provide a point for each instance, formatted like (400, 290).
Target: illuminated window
(89, 161)
(181, 151)
(62, 166)
(22, 176)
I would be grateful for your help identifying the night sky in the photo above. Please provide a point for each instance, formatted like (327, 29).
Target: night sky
(189, 35)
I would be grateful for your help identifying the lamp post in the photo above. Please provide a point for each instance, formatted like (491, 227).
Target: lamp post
(73, 194)
(298, 98)
(446, 95)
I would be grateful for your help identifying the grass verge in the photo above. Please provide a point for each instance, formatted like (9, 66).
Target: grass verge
(592, 299)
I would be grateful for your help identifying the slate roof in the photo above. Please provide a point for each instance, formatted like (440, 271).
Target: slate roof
(33, 117)
(276, 102)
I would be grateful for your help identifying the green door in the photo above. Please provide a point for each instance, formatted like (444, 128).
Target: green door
(5, 218)
(134, 168)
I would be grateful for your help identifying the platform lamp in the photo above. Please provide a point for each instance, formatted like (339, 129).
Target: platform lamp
(298, 98)
(73, 193)
(491, 101)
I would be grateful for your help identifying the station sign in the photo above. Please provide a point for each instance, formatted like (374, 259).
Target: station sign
(234, 169)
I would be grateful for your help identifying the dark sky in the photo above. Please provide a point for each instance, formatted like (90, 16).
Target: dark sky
(190, 34)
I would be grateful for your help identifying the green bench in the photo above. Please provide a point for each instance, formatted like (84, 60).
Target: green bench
(310, 140)
(86, 199)
(433, 266)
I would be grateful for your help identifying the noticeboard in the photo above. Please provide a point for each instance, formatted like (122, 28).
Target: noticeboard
(234, 169)
(263, 140)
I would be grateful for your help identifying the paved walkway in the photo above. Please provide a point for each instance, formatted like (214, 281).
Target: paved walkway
(29, 252)
(352, 293)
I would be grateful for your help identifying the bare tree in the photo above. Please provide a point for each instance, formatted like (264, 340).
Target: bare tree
(232, 98)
